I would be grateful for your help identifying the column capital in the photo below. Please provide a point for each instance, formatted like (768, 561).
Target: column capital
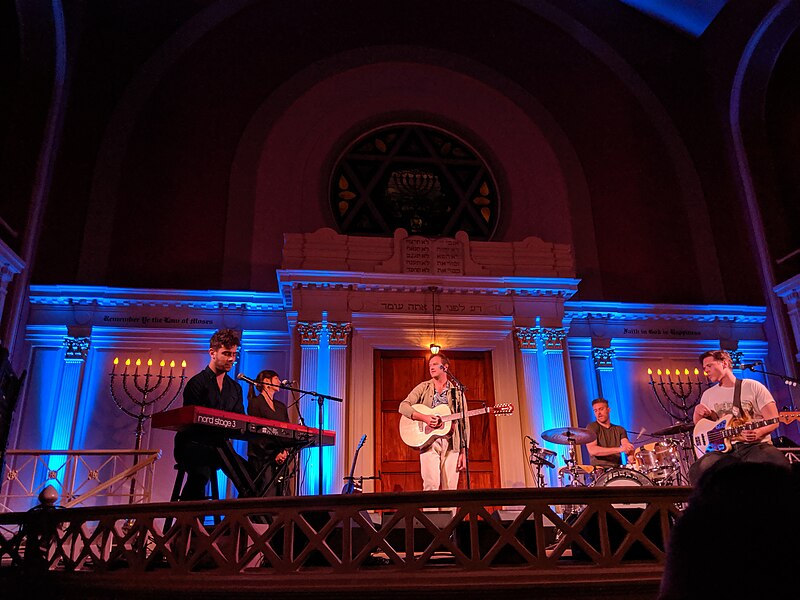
(603, 358)
(526, 336)
(309, 332)
(553, 337)
(736, 357)
(339, 333)
(77, 348)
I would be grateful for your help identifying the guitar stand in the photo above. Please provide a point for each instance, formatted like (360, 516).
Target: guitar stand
(280, 475)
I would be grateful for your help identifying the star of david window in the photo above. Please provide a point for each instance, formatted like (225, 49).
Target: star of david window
(414, 177)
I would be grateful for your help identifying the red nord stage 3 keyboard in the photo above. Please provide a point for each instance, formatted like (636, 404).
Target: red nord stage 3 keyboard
(240, 426)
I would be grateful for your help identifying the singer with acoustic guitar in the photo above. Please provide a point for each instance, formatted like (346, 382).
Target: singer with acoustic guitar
(743, 405)
(442, 459)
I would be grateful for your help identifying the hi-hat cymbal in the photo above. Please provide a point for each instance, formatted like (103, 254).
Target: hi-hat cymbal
(568, 435)
(673, 429)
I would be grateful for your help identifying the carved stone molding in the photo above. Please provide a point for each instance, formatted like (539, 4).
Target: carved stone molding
(553, 338)
(77, 348)
(736, 357)
(309, 333)
(339, 333)
(603, 358)
(526, 336)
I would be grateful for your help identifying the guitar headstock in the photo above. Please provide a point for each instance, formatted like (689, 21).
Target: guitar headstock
(503, 409)
(361, 443)
(788, 416)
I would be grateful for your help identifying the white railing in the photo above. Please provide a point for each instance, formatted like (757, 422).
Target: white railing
(81, 477)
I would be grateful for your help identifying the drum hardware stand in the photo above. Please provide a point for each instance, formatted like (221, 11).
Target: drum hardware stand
(538, 459)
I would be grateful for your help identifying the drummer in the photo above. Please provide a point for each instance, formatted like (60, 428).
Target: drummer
(612, 440)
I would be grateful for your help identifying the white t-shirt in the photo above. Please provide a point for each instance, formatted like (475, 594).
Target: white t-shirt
(755, 396)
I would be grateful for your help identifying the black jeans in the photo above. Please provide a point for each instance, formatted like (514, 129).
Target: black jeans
(744, 452)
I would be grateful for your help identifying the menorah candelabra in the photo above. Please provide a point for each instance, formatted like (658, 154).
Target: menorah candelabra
(144, 400)
(675, 396)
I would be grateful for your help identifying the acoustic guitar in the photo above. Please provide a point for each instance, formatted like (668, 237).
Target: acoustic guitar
(418, 433)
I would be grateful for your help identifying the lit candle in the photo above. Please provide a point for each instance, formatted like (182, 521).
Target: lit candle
(650, 375)
(669, 377)
(660, 378)
(678, 375)
(127, 364)
(149, 364)
(697, 375)
(160, 368)
(183, 366)
(116, 362)
(171, 365)
(138, 363)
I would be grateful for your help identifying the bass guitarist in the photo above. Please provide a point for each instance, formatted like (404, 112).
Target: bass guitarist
(442, 459)
(755, 403)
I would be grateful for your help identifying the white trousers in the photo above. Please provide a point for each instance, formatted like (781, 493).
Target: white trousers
(439, 465)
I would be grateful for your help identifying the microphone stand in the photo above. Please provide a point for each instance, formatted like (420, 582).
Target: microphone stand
(462, 420)
(790, 382)
(320, 400)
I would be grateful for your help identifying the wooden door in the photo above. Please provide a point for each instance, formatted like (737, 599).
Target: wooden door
(396, 374)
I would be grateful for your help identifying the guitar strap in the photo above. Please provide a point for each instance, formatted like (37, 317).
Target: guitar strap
(737, 399)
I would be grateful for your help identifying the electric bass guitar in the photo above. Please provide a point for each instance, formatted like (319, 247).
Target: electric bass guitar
(350, 486)
(715, 436)
(418, 433)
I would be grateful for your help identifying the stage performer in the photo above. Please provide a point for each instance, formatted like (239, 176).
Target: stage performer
(612, 440)
(754, 403)
(198, 452)
(442, 459)
(266, 455)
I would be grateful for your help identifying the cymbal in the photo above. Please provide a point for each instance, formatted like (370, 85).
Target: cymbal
(568, 435)
(673, 429)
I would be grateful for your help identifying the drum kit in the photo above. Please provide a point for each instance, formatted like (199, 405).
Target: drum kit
(660, 463)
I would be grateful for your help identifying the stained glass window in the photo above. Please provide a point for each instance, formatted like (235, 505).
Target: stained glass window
(417, 177)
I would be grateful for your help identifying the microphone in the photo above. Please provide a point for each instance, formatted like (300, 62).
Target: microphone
(243, 377)
(751, 366)
(287, 382)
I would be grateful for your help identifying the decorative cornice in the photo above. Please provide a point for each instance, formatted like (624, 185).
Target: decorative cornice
(77, 348)
(290, 282)
(339, 333)
(106, 297)
(603, 358)
(598, 312)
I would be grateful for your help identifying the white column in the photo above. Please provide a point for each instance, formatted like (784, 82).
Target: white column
(309, 334)
(603, 359)
(545, 387)
(556, 400)
(338, 339)
(76, 349)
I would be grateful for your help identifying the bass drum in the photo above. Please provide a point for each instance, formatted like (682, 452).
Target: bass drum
(615, 477)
